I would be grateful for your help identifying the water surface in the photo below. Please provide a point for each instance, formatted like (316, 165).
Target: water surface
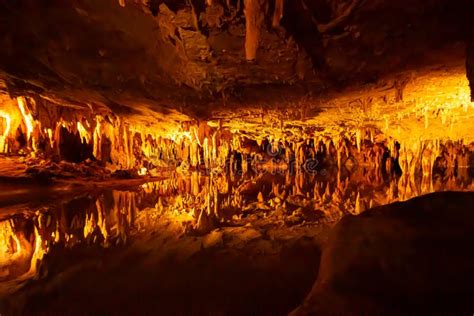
(188, 244)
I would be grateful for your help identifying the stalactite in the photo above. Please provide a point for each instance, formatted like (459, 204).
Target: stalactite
(57, 139)
(254, 17)
(207, 153)
(89, 224)
(28, 120)
(194, 153)
(277, 13)
(358, 139)
(6, 132)
(38, 253)
(426, 118)
(214, 151)
(84, 134)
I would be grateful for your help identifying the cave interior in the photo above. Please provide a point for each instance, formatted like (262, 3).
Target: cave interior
(236, 157)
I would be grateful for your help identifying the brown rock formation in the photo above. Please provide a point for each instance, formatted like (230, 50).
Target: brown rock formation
(410, 257)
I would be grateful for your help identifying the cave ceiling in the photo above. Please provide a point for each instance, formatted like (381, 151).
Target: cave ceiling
(203, 59)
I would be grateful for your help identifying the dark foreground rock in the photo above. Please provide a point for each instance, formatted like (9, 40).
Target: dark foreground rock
(411, 257)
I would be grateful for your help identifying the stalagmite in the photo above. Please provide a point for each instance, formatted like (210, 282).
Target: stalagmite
(358, 206)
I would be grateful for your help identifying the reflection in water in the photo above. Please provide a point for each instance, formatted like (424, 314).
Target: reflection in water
(200, 203)
(21, 254)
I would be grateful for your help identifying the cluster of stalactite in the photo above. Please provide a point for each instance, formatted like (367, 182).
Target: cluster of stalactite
(352, 150)
(22, 248)
(36, 127)
(65, 133)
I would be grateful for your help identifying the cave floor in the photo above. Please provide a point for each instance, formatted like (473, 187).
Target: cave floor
(187, 244)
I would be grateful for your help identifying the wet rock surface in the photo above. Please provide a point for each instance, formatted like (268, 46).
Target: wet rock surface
(410, 257)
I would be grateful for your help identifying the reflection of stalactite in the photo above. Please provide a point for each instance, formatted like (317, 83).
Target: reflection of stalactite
(10, 245)
(38, 253)
(202, 203)
(101, 222)
(123, 215)
(20, 255)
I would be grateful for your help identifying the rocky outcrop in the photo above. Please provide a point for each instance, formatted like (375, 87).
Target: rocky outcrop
(411, 257)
